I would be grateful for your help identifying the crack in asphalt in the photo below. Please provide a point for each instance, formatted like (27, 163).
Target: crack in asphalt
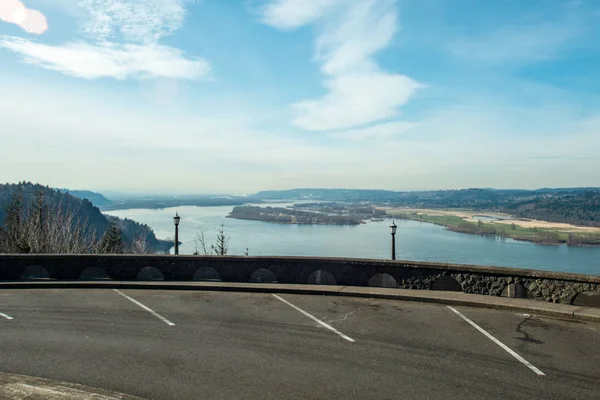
(526, 337)
(345, 317)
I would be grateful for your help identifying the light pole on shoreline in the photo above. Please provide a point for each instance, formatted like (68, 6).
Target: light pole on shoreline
(393, 230)
(176, 220)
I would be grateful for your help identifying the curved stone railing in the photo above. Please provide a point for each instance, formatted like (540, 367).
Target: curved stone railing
(549, 286)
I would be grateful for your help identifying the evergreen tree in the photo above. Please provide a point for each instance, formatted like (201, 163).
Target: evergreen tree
(39, 211)
(222, 246)
(12, 239)
(112, 241)
(37, 219)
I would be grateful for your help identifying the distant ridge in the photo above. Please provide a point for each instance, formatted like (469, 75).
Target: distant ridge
(97, 199)
(579, 206)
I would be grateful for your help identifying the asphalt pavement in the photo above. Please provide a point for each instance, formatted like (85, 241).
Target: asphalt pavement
(161, 344)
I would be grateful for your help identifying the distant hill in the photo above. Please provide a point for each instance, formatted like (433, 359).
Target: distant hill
(580, 206)
(96, 198)
(437, 198)
(176, 201)
(83, 209)
(329, 195)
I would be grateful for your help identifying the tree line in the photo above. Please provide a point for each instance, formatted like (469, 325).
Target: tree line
(35, 219)
(579, 206)
(39, 219)
(582, 208)
(43, 227)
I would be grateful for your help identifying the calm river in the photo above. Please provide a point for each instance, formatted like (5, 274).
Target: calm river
(414, 240)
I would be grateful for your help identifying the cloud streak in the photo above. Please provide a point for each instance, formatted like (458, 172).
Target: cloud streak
(355, 99)
(359, 92)
(123, 43)
(138, 21)
(93, 61)
(292, 14)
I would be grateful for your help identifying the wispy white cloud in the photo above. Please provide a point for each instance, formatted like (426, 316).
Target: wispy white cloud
(349, 39)
(122, 42)
(351, 33)
(142, 21)
(92, 61)
(291, 14)
(355, 99)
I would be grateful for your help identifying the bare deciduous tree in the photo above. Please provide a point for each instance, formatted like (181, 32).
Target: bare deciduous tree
(200, 244)
(220, 248)
(42, 228)
(141, 245)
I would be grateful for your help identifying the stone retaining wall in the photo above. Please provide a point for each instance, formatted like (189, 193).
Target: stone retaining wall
(541, 285)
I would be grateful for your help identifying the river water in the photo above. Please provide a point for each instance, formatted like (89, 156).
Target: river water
(418, 241)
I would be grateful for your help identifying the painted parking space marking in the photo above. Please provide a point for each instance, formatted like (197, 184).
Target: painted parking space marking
(151, 311)
(499, 343)
(318, 321)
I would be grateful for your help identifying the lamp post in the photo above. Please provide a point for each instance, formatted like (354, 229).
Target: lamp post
(393, 230)
(176, 220)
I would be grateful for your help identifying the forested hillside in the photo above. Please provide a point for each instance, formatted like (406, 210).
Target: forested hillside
(82, 217)
(575, 208)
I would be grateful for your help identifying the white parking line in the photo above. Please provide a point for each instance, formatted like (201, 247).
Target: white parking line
(318, 321)
(151, 311)
(6, 316)
(499, 343)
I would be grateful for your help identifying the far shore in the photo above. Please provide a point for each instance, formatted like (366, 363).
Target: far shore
(505, 226)
(520, 222)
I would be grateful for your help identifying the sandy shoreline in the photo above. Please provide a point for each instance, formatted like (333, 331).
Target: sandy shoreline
(528, 223)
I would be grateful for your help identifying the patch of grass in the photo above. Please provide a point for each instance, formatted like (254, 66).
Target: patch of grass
(538, 235)
(436, 219)
(446, 220)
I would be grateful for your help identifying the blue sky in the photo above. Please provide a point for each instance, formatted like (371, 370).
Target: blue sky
(242, 95)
